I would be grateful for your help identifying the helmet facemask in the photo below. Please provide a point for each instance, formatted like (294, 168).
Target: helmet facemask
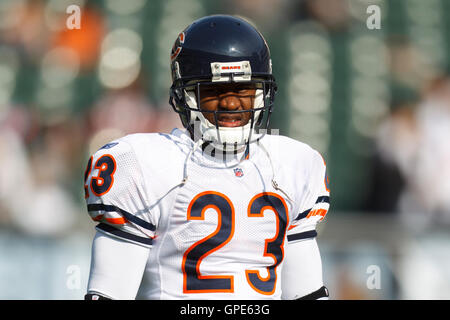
(185, 99)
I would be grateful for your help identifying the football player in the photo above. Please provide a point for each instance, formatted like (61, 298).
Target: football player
(221, 209)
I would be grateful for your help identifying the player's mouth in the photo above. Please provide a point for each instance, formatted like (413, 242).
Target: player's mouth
(229, 121)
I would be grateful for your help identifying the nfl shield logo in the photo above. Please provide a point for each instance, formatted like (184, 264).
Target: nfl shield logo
(238, 172)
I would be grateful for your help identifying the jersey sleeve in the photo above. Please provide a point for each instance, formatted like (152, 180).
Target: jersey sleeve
(314, 203)
(115, 194)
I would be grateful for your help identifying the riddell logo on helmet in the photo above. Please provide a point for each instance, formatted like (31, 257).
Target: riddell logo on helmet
(230, 67)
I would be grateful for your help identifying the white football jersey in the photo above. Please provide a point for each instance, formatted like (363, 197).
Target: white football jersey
(217, 230)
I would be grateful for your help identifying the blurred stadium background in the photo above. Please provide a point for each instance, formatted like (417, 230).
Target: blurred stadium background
(376, 103)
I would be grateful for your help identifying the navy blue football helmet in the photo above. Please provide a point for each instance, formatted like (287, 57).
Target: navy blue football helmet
(221, 49)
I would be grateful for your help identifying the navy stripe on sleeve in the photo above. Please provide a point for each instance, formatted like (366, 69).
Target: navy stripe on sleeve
(126, 215)
(302, 215)
(122, 234)
(302, 235)
(322, 199)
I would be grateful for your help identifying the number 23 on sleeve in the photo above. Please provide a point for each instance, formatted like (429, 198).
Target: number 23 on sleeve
(103, 181)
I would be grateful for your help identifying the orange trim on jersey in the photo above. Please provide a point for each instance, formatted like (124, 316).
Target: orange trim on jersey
(101, 169)
(317, 212)
(120, 220)
(326, 181)
(117, 220)
(267, 241)
(219, 225)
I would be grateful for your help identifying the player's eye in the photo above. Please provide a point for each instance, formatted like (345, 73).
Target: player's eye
(213, 91)
(244, 91)
(208, 91)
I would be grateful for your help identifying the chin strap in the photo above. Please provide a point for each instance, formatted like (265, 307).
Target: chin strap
(188, 157)
(185, 169)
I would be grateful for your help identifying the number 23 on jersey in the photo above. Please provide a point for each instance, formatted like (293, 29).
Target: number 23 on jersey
(193, 281)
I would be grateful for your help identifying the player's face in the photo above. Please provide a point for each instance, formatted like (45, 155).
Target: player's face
(227, 97)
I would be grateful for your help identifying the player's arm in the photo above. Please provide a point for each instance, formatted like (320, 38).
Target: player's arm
(117, 267)
(116, 198)
(302, 268)
(301, 277)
